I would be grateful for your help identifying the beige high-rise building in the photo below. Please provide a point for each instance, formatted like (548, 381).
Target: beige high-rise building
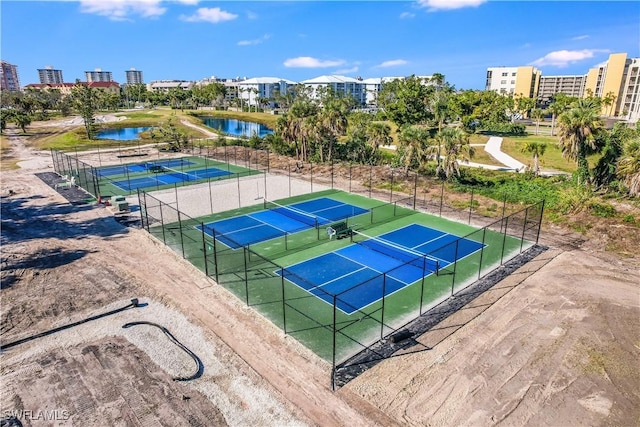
(616, 79)
(522, 81)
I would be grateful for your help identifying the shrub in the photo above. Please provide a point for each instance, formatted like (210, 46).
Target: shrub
(604, 210)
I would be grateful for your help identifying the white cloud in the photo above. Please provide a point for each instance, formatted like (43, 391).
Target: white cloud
(255, 41)
(580, 37)
(189, 2)
(121, 10)
(433, 5)
(209, 14)
(347, 70)
(407, 15)
(392, 63)
(309, 62)
(562, 58)
(252, 15)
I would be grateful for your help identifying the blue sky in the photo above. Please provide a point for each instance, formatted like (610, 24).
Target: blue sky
(298, 40)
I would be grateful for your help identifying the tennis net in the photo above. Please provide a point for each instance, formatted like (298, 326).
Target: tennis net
(297, 214)
(185, 176)
(394, 250)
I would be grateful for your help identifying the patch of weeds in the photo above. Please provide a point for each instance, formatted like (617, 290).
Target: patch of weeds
(580, 227)
(630, 219)
(604, 210)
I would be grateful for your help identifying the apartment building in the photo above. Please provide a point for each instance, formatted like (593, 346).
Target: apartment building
(522, 81)
(568, 85)
(133, 76)
(167, 85)
(49, 75)
(97, 75)
(616, 78)
(251, 91)
(342, 85)
(9, 80)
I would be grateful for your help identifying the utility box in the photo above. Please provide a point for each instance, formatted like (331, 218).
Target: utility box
(119, 204)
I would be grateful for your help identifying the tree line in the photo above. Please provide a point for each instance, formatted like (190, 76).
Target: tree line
(433, 122)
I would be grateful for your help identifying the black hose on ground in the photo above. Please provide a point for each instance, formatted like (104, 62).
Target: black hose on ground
(196, 359)
(134, 303)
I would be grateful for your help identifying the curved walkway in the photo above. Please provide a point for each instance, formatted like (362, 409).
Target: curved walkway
(494, 148)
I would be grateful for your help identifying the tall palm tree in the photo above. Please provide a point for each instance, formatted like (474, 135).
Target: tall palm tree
(537, 115)
(609, 100)
(576, 131)
(378, 134)
(455, 143)
(414, 143)
(629, 166)
(555, 108)
(537, 149)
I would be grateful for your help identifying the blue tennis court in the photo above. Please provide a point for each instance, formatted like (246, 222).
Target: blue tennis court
(141, 167)
(169, 178)
(405, 256)
(277, 221)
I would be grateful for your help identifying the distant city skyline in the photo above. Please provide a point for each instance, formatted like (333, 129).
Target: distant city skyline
(193, 40)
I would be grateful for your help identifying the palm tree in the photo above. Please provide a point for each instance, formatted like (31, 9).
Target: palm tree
(537, 115)
(455, 143)
(629, 166)
(413, 143)
(577, 127)
(537, 149)
(609, 100)
(378, 134)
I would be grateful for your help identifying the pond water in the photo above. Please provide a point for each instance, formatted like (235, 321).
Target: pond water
(235, 127)
(124, 134)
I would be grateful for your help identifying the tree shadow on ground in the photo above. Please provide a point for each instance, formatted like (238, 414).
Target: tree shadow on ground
(40, 260)
(22, 221)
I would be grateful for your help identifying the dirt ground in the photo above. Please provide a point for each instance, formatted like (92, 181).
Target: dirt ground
(557, 343)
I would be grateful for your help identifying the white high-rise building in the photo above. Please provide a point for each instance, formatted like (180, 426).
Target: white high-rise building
(98, 75)
(49, 75)
(134, 76)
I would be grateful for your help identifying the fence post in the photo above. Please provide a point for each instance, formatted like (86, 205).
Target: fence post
(180, 231)
(484, 233)
(311, 173)
(391, 196)
(470, 206)
(350, 166)
(504, 238)
(332, 164)
(384, 286)
(415, 190)
(333, 355)
(204, 250)
(524, 227)
(441, 197)
(215, 253)
(238, 180)
(246, 275)
(370, 179)
(284, 305)
(540, 220)
(455, 264)
(164, 236)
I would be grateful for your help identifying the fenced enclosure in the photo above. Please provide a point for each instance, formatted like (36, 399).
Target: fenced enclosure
(359, 304)
(329, 322)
